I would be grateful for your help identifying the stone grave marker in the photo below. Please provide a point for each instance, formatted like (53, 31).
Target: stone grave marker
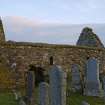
(76, 80)
(57, 86)
(44, 93)
(30, 85)
(103, 83)
(92, 83)
(85, 103)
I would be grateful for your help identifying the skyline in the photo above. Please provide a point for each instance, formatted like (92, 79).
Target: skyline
(20, 29)
(51, 21)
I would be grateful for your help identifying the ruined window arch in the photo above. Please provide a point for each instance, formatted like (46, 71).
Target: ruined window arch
(51, 60)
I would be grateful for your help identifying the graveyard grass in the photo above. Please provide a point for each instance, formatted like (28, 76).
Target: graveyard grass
(7, 98)
(76, 99)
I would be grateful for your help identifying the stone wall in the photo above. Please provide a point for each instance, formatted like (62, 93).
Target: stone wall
(39, 55)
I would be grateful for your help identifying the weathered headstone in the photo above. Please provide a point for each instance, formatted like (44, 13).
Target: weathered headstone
(17, 95)
(21, 102)
(76, 80)
(85, 103)
(44, 93)
(103, 83)
(92, 83)
(57, 86)
(30, 86)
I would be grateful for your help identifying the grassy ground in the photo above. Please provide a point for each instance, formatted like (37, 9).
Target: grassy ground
(76, 99)
(7, 98)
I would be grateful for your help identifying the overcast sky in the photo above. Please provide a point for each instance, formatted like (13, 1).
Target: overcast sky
(51, 20)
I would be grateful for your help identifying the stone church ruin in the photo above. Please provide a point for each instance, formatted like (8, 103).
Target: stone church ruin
(85, 62)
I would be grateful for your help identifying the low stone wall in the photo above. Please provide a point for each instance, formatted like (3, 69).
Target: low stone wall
(23, 54)
(39, 55)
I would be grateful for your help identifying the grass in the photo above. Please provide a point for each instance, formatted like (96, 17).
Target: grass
(7, 98)
(36, 95)
(76, 99)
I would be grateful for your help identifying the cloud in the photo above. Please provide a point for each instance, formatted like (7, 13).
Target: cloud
(22, 29)
(67, 11)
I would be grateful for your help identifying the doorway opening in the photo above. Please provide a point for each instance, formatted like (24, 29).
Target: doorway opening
(39, 74)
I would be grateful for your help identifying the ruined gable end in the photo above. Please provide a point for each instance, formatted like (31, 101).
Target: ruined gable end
(89, 38)
(2, 34)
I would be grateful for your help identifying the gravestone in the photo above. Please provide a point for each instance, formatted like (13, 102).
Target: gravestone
(85, 103)
(76, 80)
(30, 86)
(92, 83)
(57, 86)
(17, 95)
(103, 83)
(44, 93)
(21, 102)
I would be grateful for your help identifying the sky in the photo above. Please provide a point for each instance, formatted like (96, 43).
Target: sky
(51, 21)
